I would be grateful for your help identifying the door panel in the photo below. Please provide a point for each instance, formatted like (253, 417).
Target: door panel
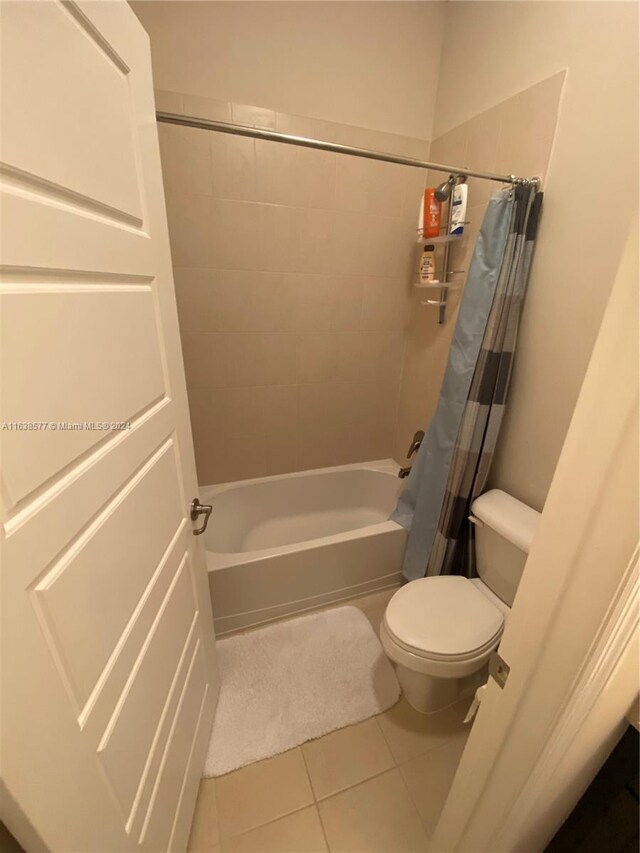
(114, 562)
(130, 730)
(92, 85)
(108, 658)
(113, 327)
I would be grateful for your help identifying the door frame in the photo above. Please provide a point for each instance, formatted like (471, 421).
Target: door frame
(536, 744)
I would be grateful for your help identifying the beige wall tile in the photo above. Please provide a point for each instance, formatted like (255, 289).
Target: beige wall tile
(300, 177)
(280, 449)
(168, 102)
(315, 249)
(415, 181)
(345, 757)
(316, 177)
(276, 237)
(198, 298)
(186, 162)
(346, 302)
(278, 171)
(380, 356)
(344, 134)
(377, 815)
(260, 359)
(312, 128)
(200, 107)
(375, 404)
(327, 444)
(204, 363)
(527, 127)
(228, 359)
(326, 404)
(225, 457)
(369, 186)
(233, 166)
(365, 244)
(262, 792)
(191, 226)
(300, 832)
(204, 829)
(253, 116)
(385, 304)
(450, 147)
(280, 408)
(482, 154)
(277, 289)
(313, 305)
(328, 357)
(256, 301)
(233, 231)
(227, 410)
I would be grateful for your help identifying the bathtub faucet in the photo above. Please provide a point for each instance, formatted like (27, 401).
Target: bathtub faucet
(416, 441)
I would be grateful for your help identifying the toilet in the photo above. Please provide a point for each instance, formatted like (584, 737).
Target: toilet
(440, 631)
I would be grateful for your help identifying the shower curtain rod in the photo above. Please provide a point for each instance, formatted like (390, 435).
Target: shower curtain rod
(305, 142)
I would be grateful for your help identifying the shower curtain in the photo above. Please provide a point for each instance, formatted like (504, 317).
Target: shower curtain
(453, 462)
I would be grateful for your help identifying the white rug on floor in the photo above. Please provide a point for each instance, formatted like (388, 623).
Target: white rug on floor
(294, 681)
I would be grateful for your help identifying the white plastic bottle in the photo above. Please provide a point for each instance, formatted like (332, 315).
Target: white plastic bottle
(427, 269)
(459, 211)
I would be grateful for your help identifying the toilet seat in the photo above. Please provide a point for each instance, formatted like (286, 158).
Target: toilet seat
(444, 619)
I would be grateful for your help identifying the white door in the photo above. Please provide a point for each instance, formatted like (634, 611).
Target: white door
(108, 662)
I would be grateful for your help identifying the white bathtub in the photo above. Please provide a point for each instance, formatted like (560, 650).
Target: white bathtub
(283, 544)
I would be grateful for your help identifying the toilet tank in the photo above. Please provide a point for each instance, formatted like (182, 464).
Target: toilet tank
(505, 528)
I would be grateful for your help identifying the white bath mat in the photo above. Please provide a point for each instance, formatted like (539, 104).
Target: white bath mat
(294, 681)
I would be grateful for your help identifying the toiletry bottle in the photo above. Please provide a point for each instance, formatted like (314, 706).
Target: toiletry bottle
(427, 269)
(432, 213)
(459, 210)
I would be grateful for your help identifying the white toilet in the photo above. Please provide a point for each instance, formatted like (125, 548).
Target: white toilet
(440, 631)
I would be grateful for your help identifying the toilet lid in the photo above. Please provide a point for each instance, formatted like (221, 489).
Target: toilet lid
(443, 615)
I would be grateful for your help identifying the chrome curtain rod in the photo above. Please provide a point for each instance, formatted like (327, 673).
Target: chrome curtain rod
(304, 142)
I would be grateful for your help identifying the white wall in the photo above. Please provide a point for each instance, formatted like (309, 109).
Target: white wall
(495, 49)
(371, 64)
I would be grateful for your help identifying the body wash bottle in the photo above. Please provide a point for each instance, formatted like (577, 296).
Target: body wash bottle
(427, 268)
(432, 211)
(459, 208)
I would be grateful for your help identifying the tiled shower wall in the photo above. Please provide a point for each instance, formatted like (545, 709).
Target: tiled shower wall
(292, 270)
(513, 137)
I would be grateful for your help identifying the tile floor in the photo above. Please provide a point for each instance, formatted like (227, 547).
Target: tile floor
(377, 786)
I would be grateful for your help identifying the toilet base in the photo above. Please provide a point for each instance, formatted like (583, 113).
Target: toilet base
(428, 695)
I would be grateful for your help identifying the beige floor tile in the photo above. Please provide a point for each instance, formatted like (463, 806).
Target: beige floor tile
(374, 605)
(262, 792)
(300, 832)
(346, 757)
(429, 777)
(377, 815)
(409, 733)
(204, 829)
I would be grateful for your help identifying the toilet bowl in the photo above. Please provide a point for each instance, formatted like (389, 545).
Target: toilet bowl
(440, 631)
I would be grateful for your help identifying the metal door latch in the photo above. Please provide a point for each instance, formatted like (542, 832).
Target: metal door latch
(198, 509)
(498, 670)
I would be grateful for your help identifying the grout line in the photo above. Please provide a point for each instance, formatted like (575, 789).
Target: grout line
(384, 737)
(272, 820)
(415, 805)
(306, 767)
(395, 278)
(322, 826)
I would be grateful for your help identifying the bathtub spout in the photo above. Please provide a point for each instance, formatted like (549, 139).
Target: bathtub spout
(404, 472)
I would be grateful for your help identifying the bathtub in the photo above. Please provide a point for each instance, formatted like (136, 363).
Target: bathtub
(284, 544)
